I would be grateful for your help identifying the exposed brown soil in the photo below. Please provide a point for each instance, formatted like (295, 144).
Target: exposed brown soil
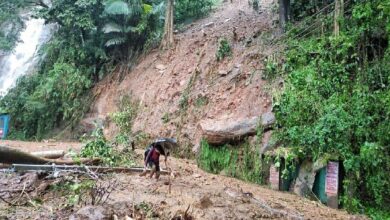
(230, 89)
(206, 196)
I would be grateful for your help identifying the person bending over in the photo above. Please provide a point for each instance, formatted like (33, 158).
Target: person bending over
(152, 160)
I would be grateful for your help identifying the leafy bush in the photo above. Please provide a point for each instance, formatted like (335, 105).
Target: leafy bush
(98, 146)
(224, 49)
(242, 162)
(124, 119)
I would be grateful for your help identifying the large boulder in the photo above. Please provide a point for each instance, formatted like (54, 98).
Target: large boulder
(223, 131)
(228, 130)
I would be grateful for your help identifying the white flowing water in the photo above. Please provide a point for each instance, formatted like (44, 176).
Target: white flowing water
(25, 55)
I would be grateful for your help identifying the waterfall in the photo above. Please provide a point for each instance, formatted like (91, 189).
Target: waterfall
(25, 55)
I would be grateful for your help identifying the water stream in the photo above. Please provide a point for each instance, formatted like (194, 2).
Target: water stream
(25, 55)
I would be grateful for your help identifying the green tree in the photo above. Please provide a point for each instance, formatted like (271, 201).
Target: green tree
(336, 100)
(127, 24)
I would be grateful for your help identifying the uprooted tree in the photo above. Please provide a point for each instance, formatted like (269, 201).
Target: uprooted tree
(10, 155)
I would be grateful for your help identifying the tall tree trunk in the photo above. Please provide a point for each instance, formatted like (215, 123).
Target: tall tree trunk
(284, 13)
(168, 41)
(338, 14)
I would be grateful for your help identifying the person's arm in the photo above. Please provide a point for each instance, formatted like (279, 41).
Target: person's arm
(147, 158)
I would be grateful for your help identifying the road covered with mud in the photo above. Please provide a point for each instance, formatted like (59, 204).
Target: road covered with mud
(189, 193)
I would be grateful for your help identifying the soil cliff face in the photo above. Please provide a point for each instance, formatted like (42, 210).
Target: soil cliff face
(179, 88)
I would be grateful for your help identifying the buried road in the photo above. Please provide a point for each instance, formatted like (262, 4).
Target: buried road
(189, 193)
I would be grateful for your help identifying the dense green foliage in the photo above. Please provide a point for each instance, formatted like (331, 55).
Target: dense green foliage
(241, 162)
(337, 102)
(92, 37)
(40, 101)
(98, 146)
(185, 9)
(10, 23)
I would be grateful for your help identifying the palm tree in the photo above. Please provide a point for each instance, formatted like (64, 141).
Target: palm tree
(121, 16)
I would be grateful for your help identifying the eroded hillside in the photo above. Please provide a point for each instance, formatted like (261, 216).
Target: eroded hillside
(179, 88)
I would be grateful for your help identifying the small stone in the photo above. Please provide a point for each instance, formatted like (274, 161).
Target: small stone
(222, 73)
(196, 175)
(210, 24)
(160, 67)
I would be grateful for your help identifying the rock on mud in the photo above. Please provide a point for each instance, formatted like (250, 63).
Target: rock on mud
(160, 67)
(222, 131)
(227, 130)
(92, 213)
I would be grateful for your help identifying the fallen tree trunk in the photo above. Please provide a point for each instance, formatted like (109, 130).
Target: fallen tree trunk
(52, 154)
(10, 155)
(97, 169)
(223, 131)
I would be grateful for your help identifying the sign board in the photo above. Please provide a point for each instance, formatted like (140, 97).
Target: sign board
(274, 177)
(332, 179)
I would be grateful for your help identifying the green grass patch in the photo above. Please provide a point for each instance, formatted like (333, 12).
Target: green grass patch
(242, 162)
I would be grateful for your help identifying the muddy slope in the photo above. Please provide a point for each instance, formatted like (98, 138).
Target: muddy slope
(229, 89)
